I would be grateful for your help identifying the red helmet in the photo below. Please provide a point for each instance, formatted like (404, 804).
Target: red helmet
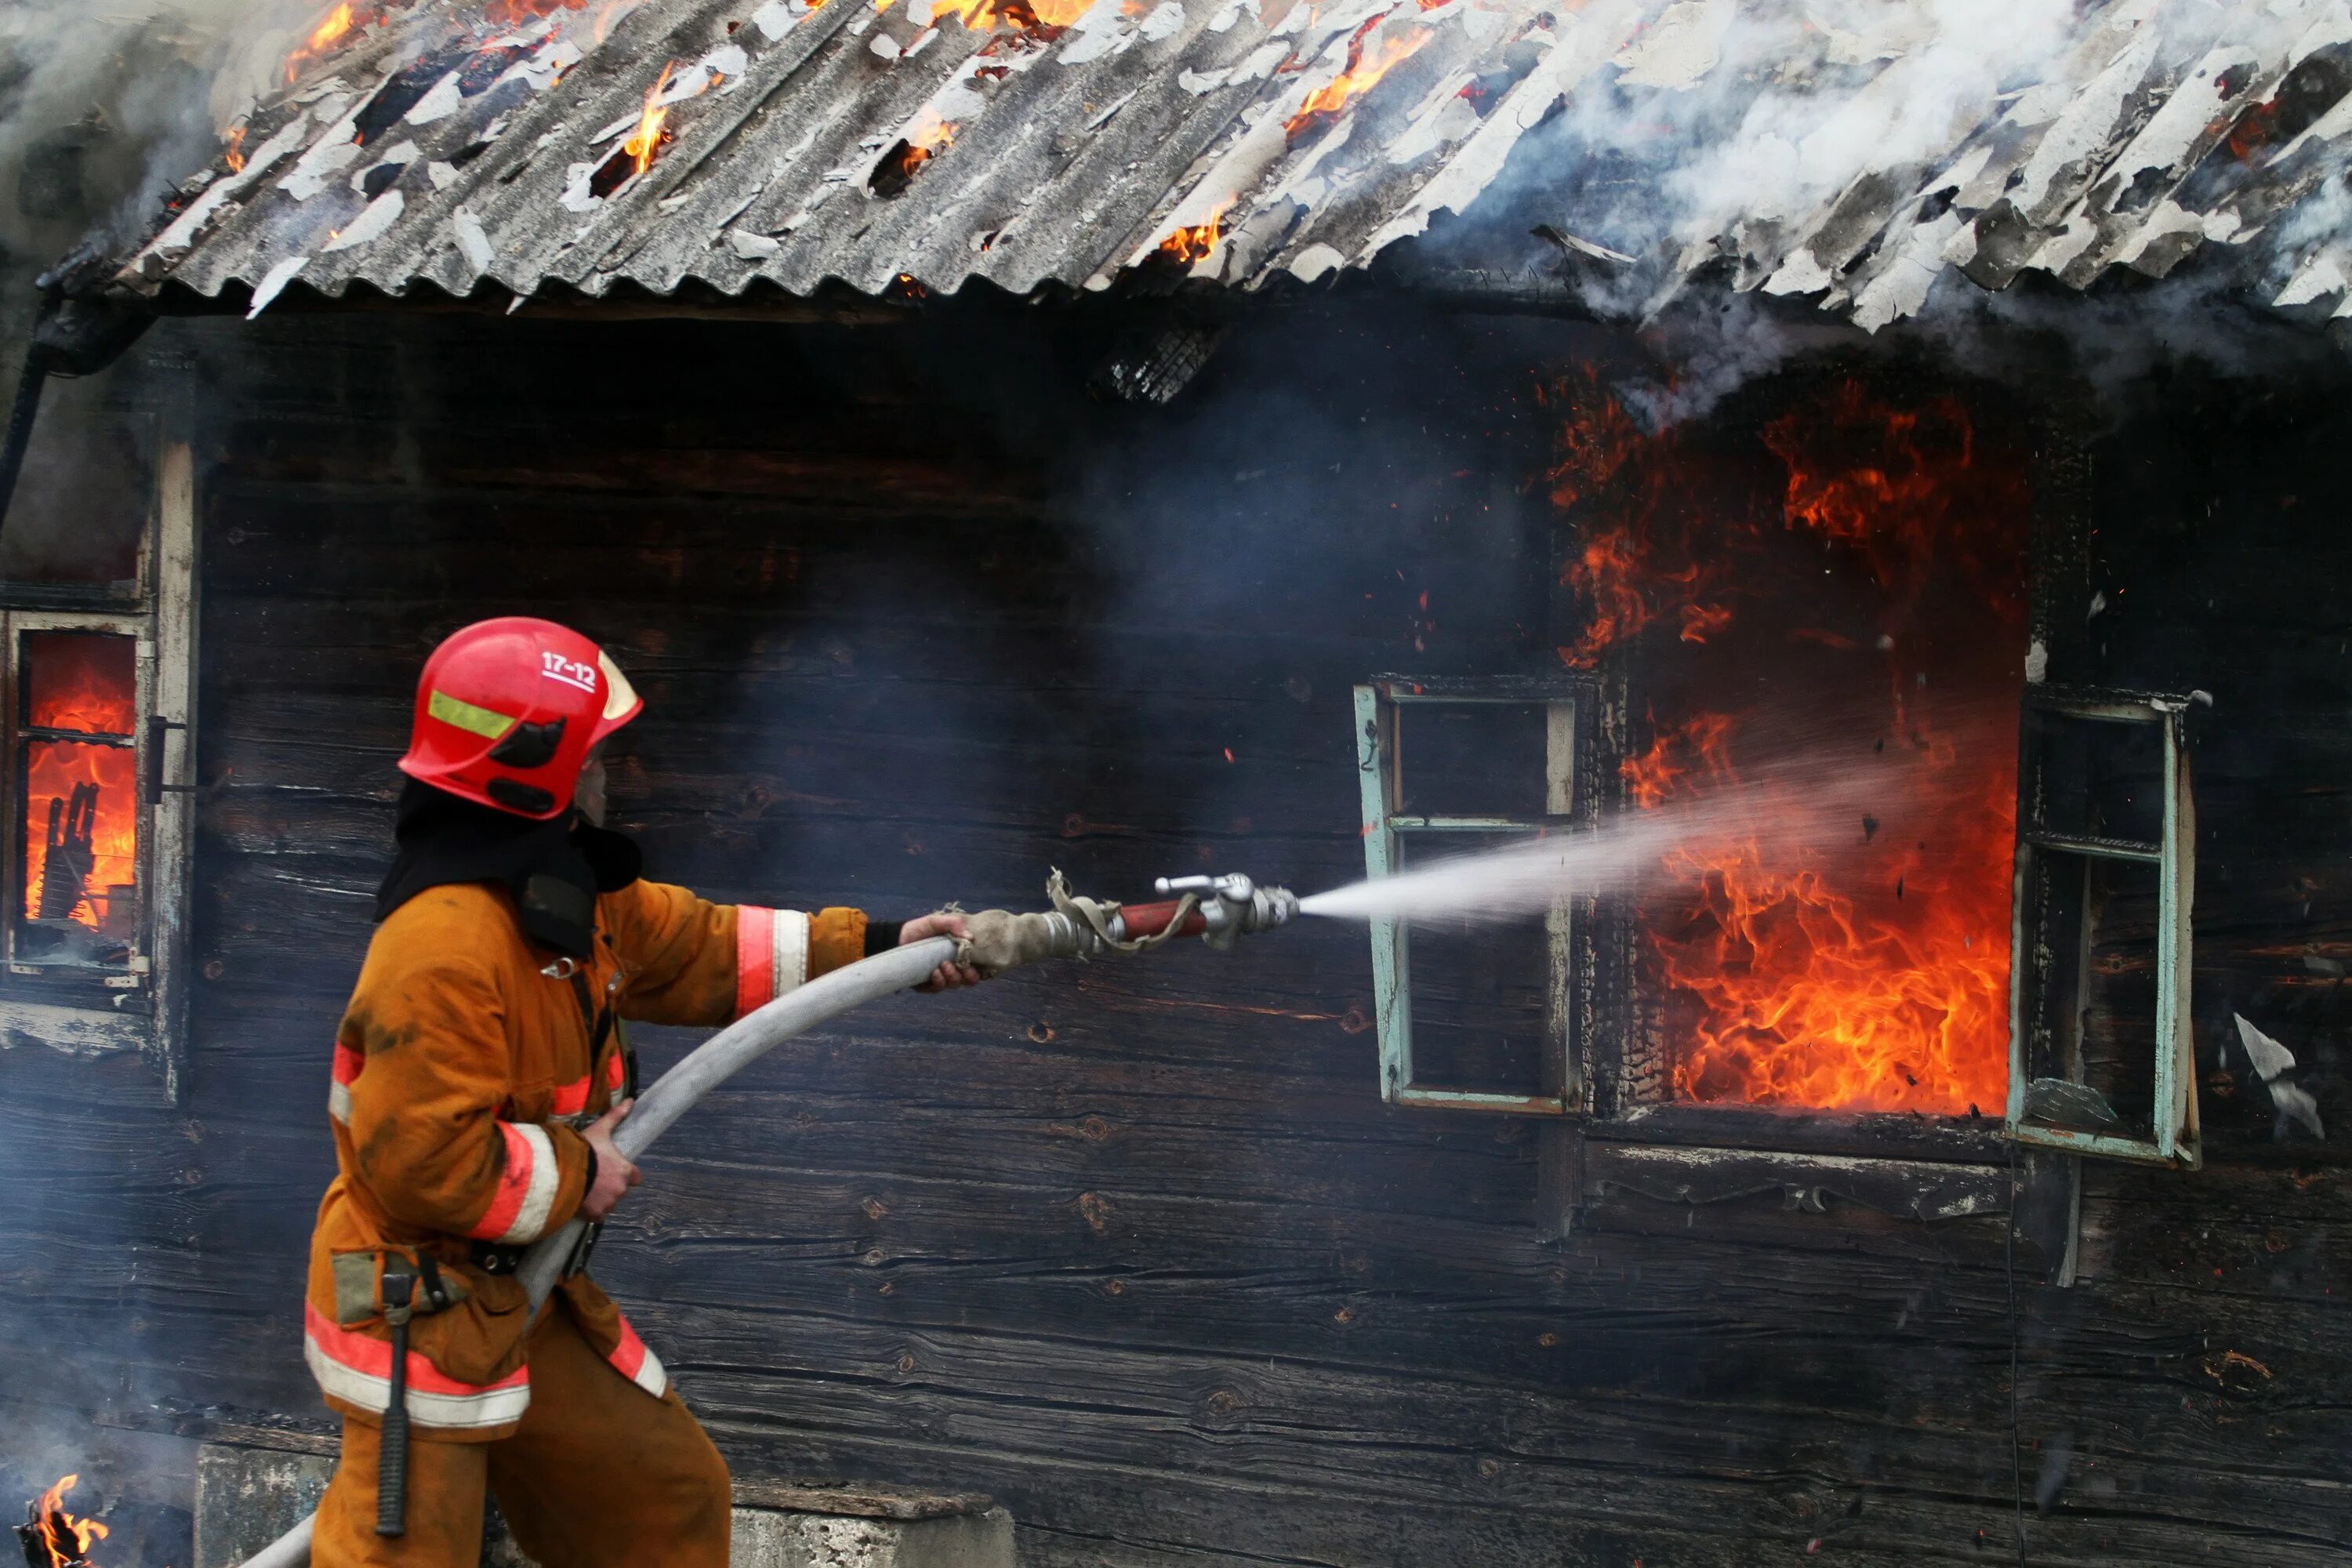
(507, 710)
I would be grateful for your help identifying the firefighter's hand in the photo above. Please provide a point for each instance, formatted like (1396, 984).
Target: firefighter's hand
(614, 1174)
(949, 975)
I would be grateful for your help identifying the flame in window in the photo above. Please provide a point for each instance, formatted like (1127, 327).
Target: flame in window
(1872, 592)
(81, 796)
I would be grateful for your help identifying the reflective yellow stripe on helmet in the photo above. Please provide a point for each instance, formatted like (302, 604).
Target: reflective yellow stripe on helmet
(467, 717)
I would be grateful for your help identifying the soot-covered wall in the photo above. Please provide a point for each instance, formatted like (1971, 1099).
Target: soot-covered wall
(1136, 1246)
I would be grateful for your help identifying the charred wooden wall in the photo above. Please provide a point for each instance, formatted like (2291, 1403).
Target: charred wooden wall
(1136, 1247)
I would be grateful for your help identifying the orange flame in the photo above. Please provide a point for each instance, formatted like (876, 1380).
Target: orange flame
(234, 153)
(1873, 976)
(1358, 76)
(1652, 556)
(81, 684)
(330, 31)
(1194, 242)
(1022, 16)
(1817, 988)
(1656, 777)
(66, 1539)
(512, 13)
(646, 138)
(907, 157)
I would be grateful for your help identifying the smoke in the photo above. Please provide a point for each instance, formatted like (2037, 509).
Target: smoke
(103, 109)
(1722, 132)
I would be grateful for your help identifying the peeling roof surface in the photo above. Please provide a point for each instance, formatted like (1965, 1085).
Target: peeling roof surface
(1242, 140)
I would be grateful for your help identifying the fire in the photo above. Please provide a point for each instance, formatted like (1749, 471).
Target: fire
(1656, 776)
(513, 13)
(234, 153)
(1652, 557)
(1022, 16)
(1194, 242)
(50, 1527)
(337, 22)
(1358, 77)
(81, 833)
(899, 166)
(646, 138)
(331, 30)
(1869, 973)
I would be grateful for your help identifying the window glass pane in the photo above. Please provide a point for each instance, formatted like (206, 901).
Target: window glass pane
(82, 502)
(80, 857)
(1471, 759)
(2097, 778)
(1480, 1012)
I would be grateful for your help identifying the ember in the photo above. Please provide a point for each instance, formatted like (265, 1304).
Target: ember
(51, 1537)
(1359, 76)
(1874, 977)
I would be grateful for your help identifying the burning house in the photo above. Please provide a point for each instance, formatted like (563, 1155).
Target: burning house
(1832, 511)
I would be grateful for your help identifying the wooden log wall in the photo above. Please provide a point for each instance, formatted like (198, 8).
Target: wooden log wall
(1136, 1248)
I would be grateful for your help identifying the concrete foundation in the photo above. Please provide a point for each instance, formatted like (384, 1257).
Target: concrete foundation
(249, 1493)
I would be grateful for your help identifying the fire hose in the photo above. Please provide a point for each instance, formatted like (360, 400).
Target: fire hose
(1218, 910)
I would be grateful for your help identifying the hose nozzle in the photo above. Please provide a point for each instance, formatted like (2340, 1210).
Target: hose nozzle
(1217, 910)
(1231, 905)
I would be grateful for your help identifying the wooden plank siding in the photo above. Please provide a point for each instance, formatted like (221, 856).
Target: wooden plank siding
(1135, 1246)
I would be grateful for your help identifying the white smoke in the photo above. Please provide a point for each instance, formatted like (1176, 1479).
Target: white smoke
(105, 106)
(1726, 128)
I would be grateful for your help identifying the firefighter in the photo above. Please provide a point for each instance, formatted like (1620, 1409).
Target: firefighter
(479, 1073)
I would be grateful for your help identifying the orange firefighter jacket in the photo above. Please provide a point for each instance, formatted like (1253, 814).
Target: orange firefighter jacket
(462, 1074)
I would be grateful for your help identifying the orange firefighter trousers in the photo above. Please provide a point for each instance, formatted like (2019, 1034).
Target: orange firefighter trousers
(599, 1475)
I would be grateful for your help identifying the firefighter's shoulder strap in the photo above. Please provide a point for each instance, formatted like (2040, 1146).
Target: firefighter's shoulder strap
(602, 1023)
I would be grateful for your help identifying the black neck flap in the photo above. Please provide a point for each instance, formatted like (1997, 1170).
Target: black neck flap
(553, 868)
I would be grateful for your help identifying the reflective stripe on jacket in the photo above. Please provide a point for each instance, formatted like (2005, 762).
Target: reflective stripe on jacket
(461, 1070)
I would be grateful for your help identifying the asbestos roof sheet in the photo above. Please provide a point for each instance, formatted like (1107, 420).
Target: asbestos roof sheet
(479, 149)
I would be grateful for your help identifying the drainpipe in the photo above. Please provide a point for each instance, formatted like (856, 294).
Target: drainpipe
(81, 331)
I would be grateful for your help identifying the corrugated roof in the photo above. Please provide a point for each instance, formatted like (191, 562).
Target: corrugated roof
(438, 147)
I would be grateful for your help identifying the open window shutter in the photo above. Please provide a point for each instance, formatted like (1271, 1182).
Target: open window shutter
(2101, 1058)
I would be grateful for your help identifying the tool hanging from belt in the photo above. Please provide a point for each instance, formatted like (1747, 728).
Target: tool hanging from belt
(401, 1291)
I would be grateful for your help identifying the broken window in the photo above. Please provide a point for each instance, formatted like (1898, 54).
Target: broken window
(1449, 768)
(97, 630)
(2100, 1059)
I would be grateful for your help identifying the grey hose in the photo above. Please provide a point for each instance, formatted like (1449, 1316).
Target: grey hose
(706, 1067)
(728, 1052)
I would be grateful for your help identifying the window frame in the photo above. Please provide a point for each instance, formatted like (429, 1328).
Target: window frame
(2174, 1138)
(1571, 803)
(17, 870)
(97, 1017)
(1641, 1152)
